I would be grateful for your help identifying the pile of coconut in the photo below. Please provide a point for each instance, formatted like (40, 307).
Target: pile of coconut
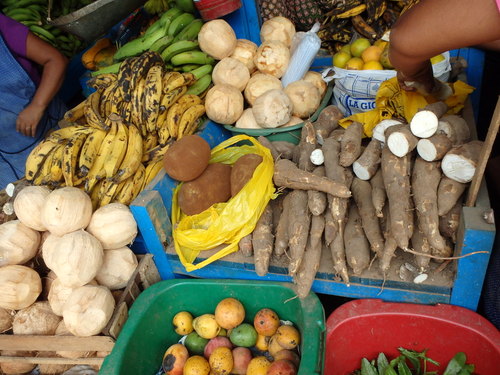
(59, 263)
(248, 92)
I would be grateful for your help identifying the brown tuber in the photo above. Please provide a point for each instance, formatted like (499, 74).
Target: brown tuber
(187, 158)
(242, 171)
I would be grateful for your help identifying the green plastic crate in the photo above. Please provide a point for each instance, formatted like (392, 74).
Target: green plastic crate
(148, 332)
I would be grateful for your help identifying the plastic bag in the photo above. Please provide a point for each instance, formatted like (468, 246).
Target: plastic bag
(305, 48)
(225, 223)
(355, 90)
(392, 102)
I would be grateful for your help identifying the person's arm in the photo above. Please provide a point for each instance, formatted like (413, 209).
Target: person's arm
(54, 65)
(432, 27)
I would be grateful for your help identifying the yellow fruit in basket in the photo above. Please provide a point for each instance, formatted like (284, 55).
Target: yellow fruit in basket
(346, 48)
(340, 59)
(196, 365)
(262, 343)
(288, 336)
(206, 326)
(436, 59)
(384, 58)
(372, 53)
(266, 322)
(229, 313)
(174, 359)
(183, 323)
(221, 360)
(358, 46)
(354, 63)
(258, 366)
(381, 43)
(372, 65)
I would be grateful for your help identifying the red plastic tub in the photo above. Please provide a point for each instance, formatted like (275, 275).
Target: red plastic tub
(363, 328)
(212, 9)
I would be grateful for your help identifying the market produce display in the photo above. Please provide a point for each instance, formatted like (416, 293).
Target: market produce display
(35, 15)
(62, 262)
(227, 341)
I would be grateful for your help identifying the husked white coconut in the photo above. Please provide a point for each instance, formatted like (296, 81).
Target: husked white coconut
(18, 243)
(28, 206)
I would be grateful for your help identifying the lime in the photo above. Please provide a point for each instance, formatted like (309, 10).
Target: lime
(195, 343)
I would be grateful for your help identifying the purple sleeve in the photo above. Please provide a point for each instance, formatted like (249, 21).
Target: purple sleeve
(15, 35)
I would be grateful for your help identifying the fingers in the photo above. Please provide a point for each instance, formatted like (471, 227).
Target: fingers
(25, 128)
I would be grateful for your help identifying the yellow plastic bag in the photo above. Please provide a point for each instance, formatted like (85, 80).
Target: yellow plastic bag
(225, 223)
(391, 102)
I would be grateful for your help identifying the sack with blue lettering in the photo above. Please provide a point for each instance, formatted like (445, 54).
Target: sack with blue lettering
(355, 90)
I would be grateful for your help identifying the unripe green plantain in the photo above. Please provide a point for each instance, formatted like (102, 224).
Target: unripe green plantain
(179, 23)
(192, 57)
(202, 70)
(178, 47)
(200, 86)
(191, 31)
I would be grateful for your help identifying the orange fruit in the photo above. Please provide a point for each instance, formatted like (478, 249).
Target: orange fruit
(229, 313)
(372, 65)
(372, 53)
(266, 322)
(354, 63)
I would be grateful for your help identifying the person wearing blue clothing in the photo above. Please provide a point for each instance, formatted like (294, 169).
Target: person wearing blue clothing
(31, 73)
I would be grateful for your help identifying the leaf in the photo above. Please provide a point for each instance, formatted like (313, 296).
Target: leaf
(403, 368)
(367, 368)
(382, 363)
(456, 364)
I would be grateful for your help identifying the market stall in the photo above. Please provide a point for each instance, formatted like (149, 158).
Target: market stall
(243, 158)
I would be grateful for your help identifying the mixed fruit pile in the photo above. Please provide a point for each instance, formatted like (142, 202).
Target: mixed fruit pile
(225, 343)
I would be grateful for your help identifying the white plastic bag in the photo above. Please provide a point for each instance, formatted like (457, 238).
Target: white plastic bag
(355, 90)
(305, 47)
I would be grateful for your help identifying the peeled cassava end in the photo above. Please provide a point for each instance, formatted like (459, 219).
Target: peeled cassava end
(187, 158)
(213, 186)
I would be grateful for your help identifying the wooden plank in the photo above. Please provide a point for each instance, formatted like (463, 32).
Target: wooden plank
(53, 360)
(484, 156)
(56, 343)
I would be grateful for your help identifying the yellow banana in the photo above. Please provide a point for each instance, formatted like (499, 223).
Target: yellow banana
(132, 187)
(152, 95)
(70, 156)
(97, 171)
(94, 194)
(352, 12)
(190, 117)
(132, 157)
(150, 142)
(35, 159)
(106, 99)
(92, 113)
(173, 82)
(189, 78)
(63, 134)
(44, 177)
(152, 170)
(163, 134)
(56, 173)
(174, 109)
(75, 113)
(102, 80)
(90, 150)
(115, 157)
(155, 154)
(137, 103)
(106, 192)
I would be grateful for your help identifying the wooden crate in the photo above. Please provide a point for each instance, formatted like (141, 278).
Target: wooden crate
(460, 283)
(145, 275)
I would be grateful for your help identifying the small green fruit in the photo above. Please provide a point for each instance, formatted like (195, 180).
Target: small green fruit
(244, 335)
(358, 46)
(195, 344)
(340, 59)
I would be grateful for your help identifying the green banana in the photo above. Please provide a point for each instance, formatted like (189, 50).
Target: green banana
(179, 23)
(191, 31)
(114, 68)
(153, 28)
(178, 47)
(24, 14)
(24, 3)
(161, 44)
(139, 45)
(192, 57)
(200, 85)
(170, 15)
(202, 70)
(189, 67)
(186, 5)
(40, 31)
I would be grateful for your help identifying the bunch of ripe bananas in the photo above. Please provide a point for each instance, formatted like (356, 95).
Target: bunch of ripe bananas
(369, 18)
(33, 14)
(119, 134)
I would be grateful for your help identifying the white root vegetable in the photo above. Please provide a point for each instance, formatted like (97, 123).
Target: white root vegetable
(378, 193)
(267, 143)
(245, 52)
(433, 148)
(317, 200)
(381, 127)
(361, 192)
(263, 241)
(420, 244)
(396, 175)
(299, 222)
(307, 145)
(317, 157)
(390, 245)
(309, 266)
(337, 248)
(272, 57)
(278, 28)
(247, 120)
(117, 268)
(357, 248)
(272, 109)
(245, 245)
(448, 224)
(305, 98)
(28, 205)
(328, 120)
(460, 162)
(217, 39)
(232, 72)
(18, 243)
(400, 140)
(425, 122)
(350, 146)
(368, 163)
(285, 149)
(259, 84)
(281, 233)
(20, 286)
(449, 193)
(455, 128)
(425, 181)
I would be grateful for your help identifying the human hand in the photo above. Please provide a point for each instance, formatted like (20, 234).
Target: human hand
(422, 81)
(27, 121)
